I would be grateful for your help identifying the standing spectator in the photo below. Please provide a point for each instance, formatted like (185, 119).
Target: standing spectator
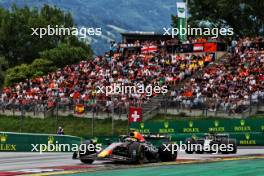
(60, 131)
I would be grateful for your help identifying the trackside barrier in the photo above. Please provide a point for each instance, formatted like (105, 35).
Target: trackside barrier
(242, 138)
(247, 139)
(245, 131)
(201, 126)
(21, 142)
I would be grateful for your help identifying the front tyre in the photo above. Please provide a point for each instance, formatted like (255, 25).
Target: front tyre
(86, 152)
(137, 152)
(87, 161)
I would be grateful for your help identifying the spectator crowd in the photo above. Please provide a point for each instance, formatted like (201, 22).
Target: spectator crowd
(78, 84)
(230, 84)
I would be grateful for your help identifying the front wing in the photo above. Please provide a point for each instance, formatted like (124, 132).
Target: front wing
(109, 157)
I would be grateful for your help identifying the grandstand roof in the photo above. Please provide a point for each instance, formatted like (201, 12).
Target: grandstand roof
(131, 36)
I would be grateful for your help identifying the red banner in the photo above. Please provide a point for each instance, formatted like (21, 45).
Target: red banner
(135, 114)
(198, 47)
(210, 47)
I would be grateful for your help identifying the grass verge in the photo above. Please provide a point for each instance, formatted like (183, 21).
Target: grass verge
(72, 125)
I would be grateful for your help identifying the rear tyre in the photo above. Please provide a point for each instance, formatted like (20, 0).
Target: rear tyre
(213, 147)
(136, 152)
(74, 155)
(225, 150)
(234, 146)
(167, 155)
(199, 147)
(189, 145)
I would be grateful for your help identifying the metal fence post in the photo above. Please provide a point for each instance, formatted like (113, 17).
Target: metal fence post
(113, 126)
(57, 114)
(21, 118)
(93, 122)
(250, 104)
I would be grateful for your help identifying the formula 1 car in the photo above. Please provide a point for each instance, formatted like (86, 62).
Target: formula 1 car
(128, 150)
(211, 143)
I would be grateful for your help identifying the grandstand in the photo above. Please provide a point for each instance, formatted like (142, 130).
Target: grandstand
(203, 79)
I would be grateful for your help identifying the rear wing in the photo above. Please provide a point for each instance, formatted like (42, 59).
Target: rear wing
(155, 136)
(150, 136)
(157, 139)
(217, 134)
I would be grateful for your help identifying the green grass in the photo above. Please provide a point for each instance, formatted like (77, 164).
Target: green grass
(77, 126)
(231, 168)
(72, 125)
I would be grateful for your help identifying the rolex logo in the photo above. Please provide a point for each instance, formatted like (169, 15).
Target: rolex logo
(190, 124)
(247, 135)
(242, 122)
(216, 123)
(95, 140)
(166, 124)
(141, 125)
(50, 140)
(3, 138)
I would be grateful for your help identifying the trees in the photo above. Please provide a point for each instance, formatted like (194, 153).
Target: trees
(3, 67)
(17, 74)
(64, 55)
(245, 17)
(50, 60)
(18, 46)
(40, 67)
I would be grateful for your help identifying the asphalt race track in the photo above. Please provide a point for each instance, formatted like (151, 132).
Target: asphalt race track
(12, 163)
